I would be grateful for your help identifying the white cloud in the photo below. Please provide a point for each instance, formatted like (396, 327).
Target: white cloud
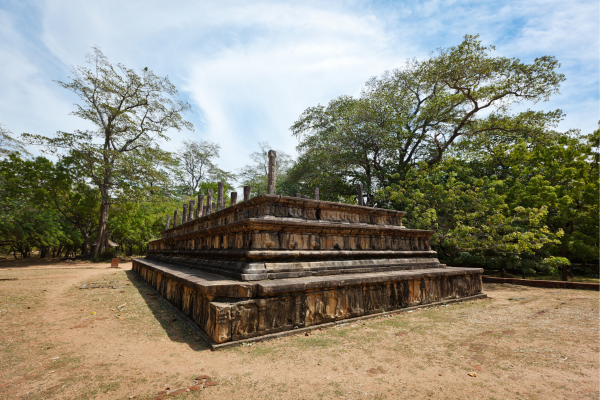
(250, 68)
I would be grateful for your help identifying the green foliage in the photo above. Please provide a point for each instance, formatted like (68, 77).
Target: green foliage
(131, 113)
(197, 165)
(471, 215)
(545, 203)
(134, 224)
(417, 113)
(26, 220)
(555, 264)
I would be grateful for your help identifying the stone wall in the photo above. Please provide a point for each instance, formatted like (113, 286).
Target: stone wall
(262, 308)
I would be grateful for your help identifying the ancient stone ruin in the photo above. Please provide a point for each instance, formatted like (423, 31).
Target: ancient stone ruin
(271, 264)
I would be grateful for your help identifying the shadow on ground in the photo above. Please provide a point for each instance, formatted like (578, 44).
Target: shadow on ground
(177, 329)
(497, 287)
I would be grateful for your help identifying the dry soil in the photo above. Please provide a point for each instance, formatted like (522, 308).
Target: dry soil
(119, 340)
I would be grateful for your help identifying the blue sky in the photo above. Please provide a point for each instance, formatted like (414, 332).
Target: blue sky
(249, 69)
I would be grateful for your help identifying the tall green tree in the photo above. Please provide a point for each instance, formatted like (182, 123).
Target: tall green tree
(74, 199)
(556, 170)
(131, 113)
(197, 164)
(418, 112)
(472, 215)
(524, 202)
(133, 224)
(28, 219)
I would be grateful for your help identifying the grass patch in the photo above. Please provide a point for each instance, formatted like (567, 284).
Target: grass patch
(109, 387)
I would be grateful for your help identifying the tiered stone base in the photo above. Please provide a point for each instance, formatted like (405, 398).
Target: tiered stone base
(232, 310)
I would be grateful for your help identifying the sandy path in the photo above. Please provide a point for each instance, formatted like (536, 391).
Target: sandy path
(521, 343)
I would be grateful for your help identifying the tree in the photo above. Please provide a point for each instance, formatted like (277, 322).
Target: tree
(418, 112)
(8, 144)
(256, 174)
(472, 215)
(197, 164)
(136, 223)
(556, 170)
(131, 113)
(28, 219)
(74, 198)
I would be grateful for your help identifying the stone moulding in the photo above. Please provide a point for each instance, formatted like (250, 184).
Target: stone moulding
(294, 235)
(267, 269)
(228, 310)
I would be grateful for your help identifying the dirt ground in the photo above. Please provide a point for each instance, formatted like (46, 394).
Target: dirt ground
(119, 341)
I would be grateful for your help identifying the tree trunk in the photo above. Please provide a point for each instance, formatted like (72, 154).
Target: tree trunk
(563, 253)
(102, 226)
(84, 246)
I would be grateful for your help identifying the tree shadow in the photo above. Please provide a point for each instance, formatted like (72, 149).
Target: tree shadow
(174, 326)
(502, 287)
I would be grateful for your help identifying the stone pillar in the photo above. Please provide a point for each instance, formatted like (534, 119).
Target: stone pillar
(233, 199)
(272, 182)
(214, 206)
(359, 188)
(168, 221)
(315, 193)
(191, 210)
(247, 190)
(175, 219)
(220, 198)
(200, 212)
(184, 215)
(209, 199)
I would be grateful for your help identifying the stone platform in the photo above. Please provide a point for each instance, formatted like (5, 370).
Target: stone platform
(231, 310)
(274, 263)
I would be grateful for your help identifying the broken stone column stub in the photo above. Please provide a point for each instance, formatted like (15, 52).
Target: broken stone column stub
(272, 182)
(359, 189)
(175, 219)
(220, 197)
(168, 221)
(191, 210)
(298, 195)
(233, 198)
(200, 211)
(247, 191)
(209, 201)
(184, 215)
(316, 193)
